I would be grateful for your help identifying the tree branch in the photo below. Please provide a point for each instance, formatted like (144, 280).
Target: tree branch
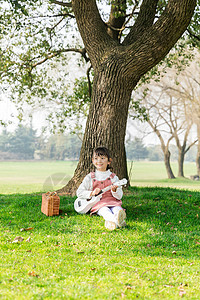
(117, 18)
(53, 16)
(92, 29)
(143, 22)
(190, 146)
(193, 35)
(56, 53)
(157, 40)
(65, 4)
(89, 81)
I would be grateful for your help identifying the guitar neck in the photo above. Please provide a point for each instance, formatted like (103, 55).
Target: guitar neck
(118, 183)
(104, 190)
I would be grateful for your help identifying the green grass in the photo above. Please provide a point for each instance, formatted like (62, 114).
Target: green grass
(28, 177)
(154, 174)
(73, 256)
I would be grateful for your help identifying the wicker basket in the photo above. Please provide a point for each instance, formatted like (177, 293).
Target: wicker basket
(50, 204)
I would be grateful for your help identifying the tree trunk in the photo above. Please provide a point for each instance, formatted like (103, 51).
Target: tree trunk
(167, 155)
(198, 150)
(165, 149)
(118, 68)
(181, 158)
(106, 123)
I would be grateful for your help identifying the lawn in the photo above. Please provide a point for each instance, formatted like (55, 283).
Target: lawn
(71, 256)
(28, 177)
(74, 257)
(154, 174)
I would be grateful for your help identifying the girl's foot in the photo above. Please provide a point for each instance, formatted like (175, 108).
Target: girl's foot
(120, 218)
(110, 225)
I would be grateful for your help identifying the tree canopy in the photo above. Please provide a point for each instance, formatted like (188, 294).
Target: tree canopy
(121, 44)
(36, 36)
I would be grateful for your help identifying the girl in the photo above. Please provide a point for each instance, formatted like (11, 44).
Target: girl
(109, 207)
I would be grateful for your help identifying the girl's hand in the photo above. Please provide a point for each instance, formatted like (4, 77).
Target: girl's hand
(95, 192)
(114, 188)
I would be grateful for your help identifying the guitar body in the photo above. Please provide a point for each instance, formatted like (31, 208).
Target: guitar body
(82, 206)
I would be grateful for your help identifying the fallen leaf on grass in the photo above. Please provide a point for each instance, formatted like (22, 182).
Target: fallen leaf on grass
(93, 269)
(182, 292)
(128, 287)
(10, 279)
(26, 229)
(28, 239)
(32, 273)
(168, 285)
(18, 239)
(173, 252)
(197, 243)
(123, 295)
(79, 251)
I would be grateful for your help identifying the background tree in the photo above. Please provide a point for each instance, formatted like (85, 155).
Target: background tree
(168, 118)
(19, 145)
(118, 61)
(61, 147)
(185, 86)
(155, 153)
(136, 150)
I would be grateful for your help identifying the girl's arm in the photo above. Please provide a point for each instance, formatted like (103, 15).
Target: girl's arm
(119, 192)
(85, 188)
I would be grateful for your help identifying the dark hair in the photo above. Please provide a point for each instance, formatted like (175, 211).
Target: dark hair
(103, 151)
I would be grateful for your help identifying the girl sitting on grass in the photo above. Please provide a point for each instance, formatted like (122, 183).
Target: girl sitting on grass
(109, 207)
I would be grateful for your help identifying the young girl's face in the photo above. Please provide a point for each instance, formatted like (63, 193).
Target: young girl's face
(100, 162)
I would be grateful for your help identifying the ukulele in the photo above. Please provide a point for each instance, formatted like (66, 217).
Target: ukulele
(82, 206)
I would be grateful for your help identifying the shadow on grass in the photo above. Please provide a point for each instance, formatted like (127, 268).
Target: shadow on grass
(24, 210)
(166, 218)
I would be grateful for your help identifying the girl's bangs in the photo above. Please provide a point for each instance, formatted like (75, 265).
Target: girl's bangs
(101, 152)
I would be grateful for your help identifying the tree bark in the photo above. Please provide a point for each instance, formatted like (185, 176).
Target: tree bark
(198, 150)
(117, 69)
(181, 157)
(167, 156)
(106, 123)
(165, 149)
(182, 149)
